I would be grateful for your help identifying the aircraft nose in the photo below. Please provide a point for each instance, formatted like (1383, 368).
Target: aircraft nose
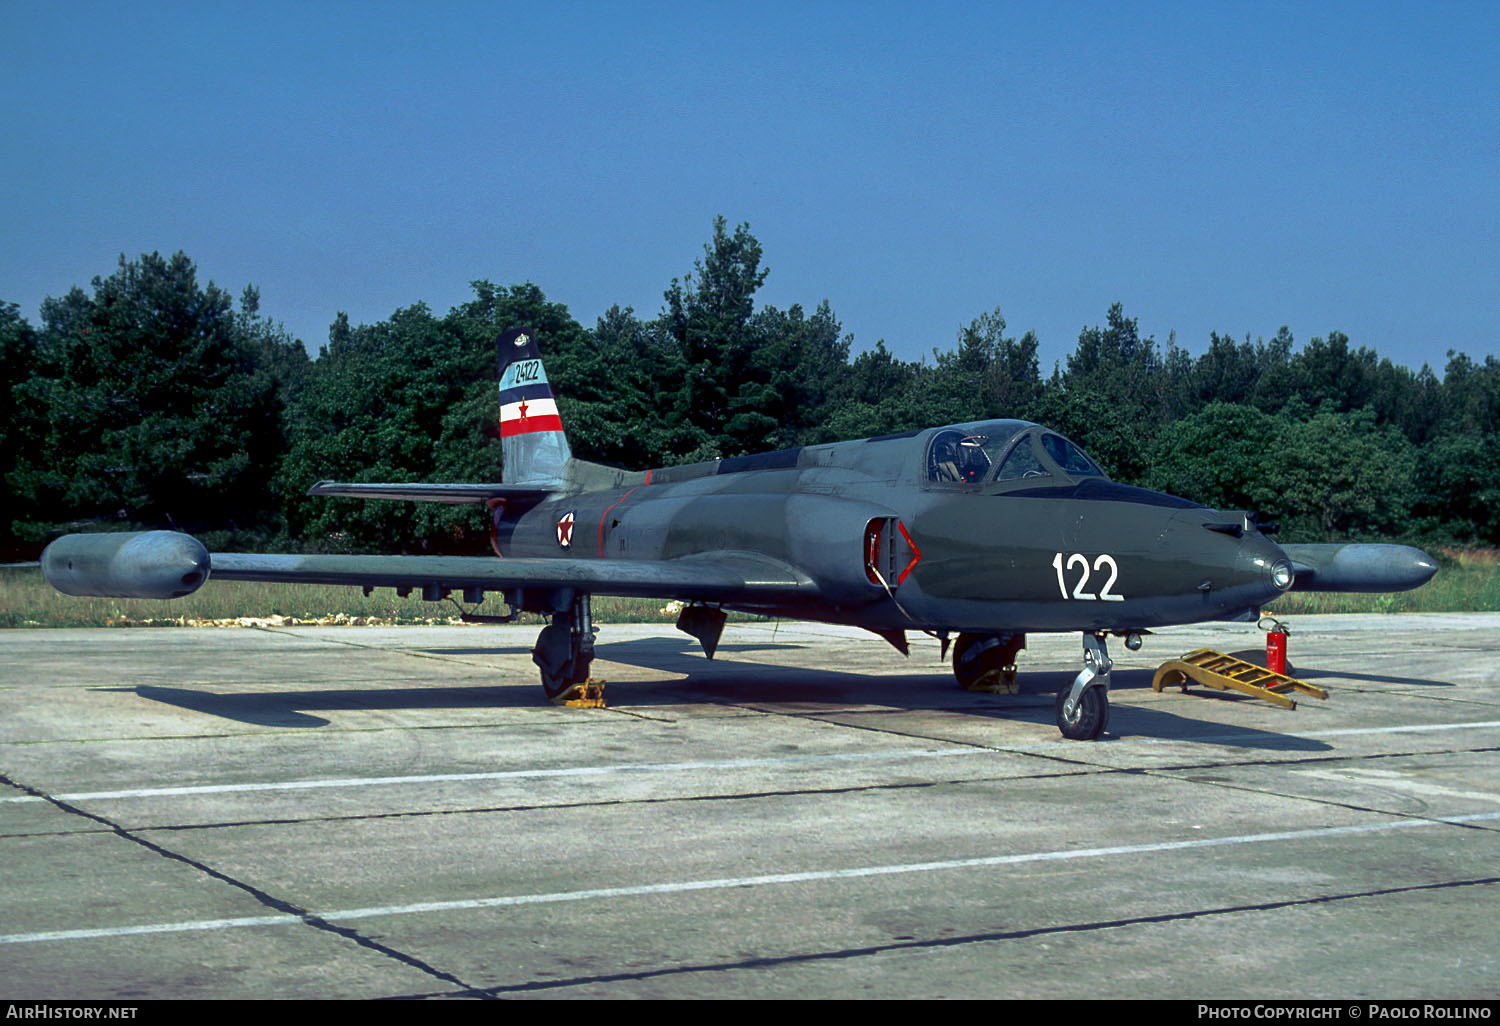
(1244, 568)
(1260, 564)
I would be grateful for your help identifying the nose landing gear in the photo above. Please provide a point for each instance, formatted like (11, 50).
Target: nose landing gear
(1083, 707)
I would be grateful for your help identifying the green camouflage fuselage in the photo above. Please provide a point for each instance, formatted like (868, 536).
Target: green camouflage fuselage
(888, 545)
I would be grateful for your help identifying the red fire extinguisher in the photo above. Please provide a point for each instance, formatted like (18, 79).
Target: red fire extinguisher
(1276, 648)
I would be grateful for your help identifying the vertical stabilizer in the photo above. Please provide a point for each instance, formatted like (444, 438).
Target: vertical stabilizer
(534, 450)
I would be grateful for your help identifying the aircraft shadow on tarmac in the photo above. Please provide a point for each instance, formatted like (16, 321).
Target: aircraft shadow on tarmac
(621, 651)
(740, 682)
(1309, 673)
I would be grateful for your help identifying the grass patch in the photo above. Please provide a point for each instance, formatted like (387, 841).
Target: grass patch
(26, 600)
(1467, 581)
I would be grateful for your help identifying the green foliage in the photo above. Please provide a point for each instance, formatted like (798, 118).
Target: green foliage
(1116, 392)
(1221, 456)
(1323, 474)
(1241, 373)
(412, 399)
(708, 320)
(146, 404)
(1459, 487)
(986, 375)
(1339, 475)
(152, 401)
(1470, 396)
(23, 429)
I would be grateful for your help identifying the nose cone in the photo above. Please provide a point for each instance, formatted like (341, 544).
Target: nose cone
(168, 563)
(1262, 562)
(1207, 565)
(1261, 572)
(1242, 568)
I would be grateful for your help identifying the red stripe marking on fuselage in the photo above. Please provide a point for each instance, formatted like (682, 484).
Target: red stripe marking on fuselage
(611, 506)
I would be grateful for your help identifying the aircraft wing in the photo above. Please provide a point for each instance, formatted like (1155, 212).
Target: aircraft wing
(167, 564)
(710, 576)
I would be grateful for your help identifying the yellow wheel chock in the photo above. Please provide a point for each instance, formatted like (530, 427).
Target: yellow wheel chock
(588, 695)
(1225, 672)
(995, 682)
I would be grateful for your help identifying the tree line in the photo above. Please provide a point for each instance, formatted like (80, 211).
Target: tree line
(154, 401)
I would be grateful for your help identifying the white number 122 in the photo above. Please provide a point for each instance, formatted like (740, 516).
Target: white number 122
(1082, 561)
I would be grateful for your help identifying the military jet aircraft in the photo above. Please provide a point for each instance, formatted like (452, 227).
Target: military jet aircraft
(976, 533)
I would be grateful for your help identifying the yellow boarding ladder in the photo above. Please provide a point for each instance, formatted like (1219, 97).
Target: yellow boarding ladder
(1225, 672)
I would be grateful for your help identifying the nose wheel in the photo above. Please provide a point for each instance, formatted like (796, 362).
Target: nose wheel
(1083, 706)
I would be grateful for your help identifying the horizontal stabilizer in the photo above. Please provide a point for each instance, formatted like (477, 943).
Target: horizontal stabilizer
(456, 494)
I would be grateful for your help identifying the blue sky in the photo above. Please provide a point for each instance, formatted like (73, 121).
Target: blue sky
(1214, 167)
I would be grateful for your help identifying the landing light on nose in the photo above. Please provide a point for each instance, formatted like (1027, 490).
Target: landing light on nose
(1279, 570)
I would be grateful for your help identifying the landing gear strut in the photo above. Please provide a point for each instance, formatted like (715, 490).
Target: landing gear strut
(1083, 707)
(565, 649)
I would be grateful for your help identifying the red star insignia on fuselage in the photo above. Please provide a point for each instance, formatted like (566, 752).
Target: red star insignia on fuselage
(565, 530)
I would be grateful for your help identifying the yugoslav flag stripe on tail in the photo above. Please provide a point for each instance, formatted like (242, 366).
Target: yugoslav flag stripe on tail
(527, 392)
(527, 415)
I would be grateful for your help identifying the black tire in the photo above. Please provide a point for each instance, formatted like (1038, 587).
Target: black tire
(1091, 717)
(967, 671)
(557, 672)
(574, 671)
(554, 686)
(984, 659)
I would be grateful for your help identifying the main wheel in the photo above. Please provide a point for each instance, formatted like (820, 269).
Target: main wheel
(554, 686)
(968, 666)
(983, 662)
(1089, 719)
(561, 664)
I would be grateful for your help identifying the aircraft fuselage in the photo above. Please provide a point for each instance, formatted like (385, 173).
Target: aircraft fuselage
(890, 547)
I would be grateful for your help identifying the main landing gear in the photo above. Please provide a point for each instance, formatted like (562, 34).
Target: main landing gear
(565, 649)
(1083, 707)
(987, 662)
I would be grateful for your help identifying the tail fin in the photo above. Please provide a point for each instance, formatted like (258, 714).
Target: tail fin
(534, 450)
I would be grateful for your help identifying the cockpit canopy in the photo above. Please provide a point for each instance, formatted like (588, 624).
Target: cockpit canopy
(996, 451)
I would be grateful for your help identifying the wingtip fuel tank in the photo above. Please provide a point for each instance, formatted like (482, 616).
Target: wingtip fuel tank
(150, 564)
(1360, 567)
